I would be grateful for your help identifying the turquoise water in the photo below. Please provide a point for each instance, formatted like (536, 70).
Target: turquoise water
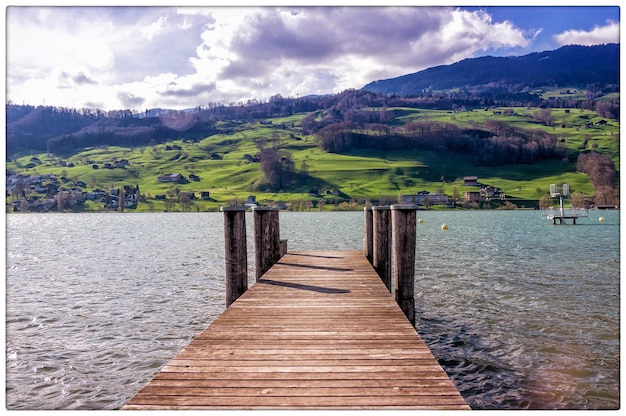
(521, 313)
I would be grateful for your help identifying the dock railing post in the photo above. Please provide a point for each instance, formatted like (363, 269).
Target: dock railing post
(369, 234)
(235, 252)
(404, 237)
(381, 258)
(267, 243)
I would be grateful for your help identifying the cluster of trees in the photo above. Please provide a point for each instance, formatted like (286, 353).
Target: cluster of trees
(608, 109)
(31, 127)
(509, 144)
(129, 136)
(276, 164)
(600, 168)
(497, 143)
(602, 174)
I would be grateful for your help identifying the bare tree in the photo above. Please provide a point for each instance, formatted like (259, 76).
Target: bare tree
(185, 202)
(578, 199)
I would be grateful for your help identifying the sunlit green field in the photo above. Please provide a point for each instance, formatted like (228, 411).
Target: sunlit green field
(359, 174)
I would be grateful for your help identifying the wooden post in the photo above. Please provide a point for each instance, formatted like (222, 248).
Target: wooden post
(266, 239)
(404, 236)
(235, 252)
(381, 258)
(369, 235)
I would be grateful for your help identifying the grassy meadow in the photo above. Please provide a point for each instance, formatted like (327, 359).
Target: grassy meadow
(358, 175)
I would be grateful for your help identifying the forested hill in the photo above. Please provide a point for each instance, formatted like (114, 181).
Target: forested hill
(568, 66)
(473, 83)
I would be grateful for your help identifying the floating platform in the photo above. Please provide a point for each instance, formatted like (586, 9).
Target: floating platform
(561, 218)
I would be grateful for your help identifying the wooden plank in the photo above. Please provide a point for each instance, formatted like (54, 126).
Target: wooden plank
(318, 331)
(414, 375)
(297, 383)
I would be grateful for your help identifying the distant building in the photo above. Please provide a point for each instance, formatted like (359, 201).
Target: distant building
(488, 191)
(189, 195)
(425, 198)
(170, 177)
(473, 197)
(251, 202)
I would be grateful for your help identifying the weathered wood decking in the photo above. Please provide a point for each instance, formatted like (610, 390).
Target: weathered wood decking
(319, 330)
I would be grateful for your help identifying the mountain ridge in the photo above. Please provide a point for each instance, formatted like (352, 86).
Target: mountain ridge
(571, 65)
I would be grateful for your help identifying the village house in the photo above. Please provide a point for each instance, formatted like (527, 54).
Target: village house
(470, 181)
(97, 195)
(473, 197)
(251, 202)
(277, 204)
(425, 198)
(488, 191)
(170, 177)
(188, 195)
(22, 188)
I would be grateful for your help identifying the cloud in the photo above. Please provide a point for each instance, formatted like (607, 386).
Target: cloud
(129, 100)
(284, 48)
(67, 80)
(608, 33)
(155, 28)
(184, 57)
(195, 90)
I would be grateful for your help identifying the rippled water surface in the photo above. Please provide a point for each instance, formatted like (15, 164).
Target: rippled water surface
(521, 313)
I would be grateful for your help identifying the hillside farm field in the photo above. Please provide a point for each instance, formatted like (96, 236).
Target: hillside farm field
(222, 164)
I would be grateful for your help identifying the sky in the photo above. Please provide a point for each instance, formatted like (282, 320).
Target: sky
(142, 57)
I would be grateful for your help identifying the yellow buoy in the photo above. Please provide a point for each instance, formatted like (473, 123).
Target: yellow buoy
(601, 219)
(444, 227)
(421, 221)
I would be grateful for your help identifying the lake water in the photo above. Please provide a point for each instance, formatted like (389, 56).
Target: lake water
(521, 313)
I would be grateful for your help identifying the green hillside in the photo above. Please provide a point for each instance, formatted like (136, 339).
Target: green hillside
(220, 164)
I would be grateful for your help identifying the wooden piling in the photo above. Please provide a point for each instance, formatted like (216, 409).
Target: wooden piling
(404, 236)
(368, 248)
(283, 247)
(267, 243)
(381, 258)
(235, 252)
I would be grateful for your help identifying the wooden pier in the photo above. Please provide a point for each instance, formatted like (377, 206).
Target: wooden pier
(318, 330)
